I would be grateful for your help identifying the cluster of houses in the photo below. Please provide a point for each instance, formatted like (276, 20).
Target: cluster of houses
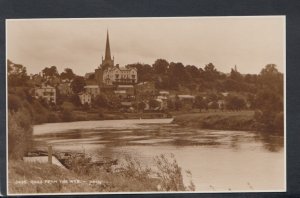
(128, 94)
(112, 79)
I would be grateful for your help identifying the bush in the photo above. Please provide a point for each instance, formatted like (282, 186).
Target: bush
(14, 102)
(279, 122)
(68, 106)
(235, 103)
(53, 117)
(80, 118)
(167, 171)
(19, 133)
(268, 120)
(67, 115)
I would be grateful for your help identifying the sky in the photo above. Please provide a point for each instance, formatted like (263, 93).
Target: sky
(250, 43)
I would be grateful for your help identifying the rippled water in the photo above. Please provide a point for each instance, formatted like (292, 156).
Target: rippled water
(218, 160)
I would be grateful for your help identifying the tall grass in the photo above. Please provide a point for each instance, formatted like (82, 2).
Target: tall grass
(131, 176)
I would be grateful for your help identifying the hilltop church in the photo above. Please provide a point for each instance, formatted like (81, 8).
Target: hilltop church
(108, 74)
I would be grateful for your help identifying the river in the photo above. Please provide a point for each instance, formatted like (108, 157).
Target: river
(218, 160)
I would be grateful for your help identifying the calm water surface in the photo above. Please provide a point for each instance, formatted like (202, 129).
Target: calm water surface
(218, 160)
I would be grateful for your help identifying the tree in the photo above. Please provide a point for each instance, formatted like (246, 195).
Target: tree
(235, 102)
(192, 70)
(171, 104)
(160, 66)
(50, 72)
(17, 74)
(141, 106)
(210, 72)
(14, 102)
(78, 84)
(268, 100)
(271, 78)
(144, 71)
(177, 75)
(177, 103)
(67, 74)
(154, 104)
(210, 68)
(270, 69)
(200, 103)
(235, 75)
(101, 101)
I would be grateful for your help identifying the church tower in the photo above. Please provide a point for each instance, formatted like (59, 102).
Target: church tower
(108, 61)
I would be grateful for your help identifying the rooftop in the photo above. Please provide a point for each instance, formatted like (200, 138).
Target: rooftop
(91, 86)
(125, 86)
(186, 96)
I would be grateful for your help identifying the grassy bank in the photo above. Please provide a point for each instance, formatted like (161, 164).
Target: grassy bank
(130, 176)
(229, 120)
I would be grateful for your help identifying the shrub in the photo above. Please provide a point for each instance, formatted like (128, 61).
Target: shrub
(67, 106)
(101, 114)
(235, 103)
(14, 102)
(53, 117)
(67, 115)
(19, 133)
(279, 122)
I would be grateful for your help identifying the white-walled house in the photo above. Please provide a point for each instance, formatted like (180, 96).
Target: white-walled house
(93, 90)
(116, 75)
(85, 98)
(47, 92)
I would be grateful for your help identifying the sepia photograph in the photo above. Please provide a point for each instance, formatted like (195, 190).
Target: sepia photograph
(146, 105)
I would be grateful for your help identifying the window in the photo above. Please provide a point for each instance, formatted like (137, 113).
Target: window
(133, 76)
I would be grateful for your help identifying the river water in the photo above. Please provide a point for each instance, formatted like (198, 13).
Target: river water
(218, 160)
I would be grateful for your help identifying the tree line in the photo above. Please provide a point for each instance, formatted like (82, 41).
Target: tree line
(262, 92)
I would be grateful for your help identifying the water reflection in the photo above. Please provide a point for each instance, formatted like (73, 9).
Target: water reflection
(160, 134)
(218, 160)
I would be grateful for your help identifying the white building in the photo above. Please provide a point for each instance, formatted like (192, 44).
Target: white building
(186, 98)
(116, 75)
(93, 90)
(85, 98)
(47, 92)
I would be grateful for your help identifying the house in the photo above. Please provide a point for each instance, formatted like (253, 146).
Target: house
(85, 98)
(116, 75)
(120, 94)
(186, 98)
(225, 94)
(128, 88)
(164, 93)
(93, 90)
(46, 92)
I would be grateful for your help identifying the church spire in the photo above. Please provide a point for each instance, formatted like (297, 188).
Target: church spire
(107, 48)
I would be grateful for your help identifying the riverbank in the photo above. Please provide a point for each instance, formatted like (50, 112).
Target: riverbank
(73, 116)
(129, 176)
(229, 120)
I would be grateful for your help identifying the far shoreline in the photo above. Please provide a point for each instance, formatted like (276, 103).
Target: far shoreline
(210, 120)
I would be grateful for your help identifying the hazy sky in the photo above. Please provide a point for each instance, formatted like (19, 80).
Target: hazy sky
(248, 42)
